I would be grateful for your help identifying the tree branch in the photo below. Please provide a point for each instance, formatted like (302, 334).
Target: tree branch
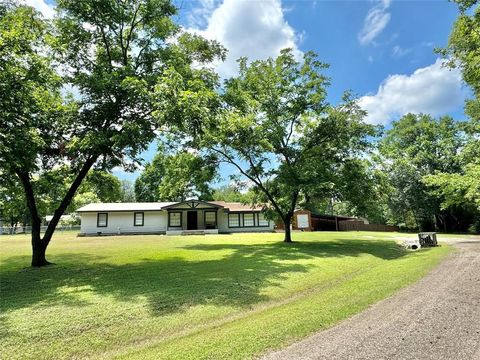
(230, 160)
(67, 199)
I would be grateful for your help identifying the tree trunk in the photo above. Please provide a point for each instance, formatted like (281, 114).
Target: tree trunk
(67, 199)
(288, 233)
(38, 251)
(39, 244)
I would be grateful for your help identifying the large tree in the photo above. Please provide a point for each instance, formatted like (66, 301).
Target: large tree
(279, 132)
(417, 146)
(463, 51)
(176, 176)
(132, 71)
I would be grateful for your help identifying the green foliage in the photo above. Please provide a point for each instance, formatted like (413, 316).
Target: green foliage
(176, 177)
(279, 132)
(128, 191)
(13, 208)
(99, 186)
(231, 193)
(461, 188)
(464, 43)
(418, 146)
(105, 186)
(359, 189)
(32, 112)
(458, 188)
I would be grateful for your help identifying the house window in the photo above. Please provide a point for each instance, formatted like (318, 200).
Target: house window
(175, 219)
(102, 219)
(138, 219)
(210, 219)
(248, 219)
(262, 221)
(233, 220)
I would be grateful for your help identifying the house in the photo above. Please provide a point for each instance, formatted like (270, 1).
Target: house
(172, 218)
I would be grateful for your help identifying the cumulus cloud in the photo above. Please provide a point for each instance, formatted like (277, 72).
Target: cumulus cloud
(434, 89)
(255, 29)
(376, 20)
(41, 5)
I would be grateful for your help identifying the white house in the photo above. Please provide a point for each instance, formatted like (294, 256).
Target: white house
(171, 218)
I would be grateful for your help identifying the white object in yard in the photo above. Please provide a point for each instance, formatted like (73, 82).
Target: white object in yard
(413, 244)
(302, 221)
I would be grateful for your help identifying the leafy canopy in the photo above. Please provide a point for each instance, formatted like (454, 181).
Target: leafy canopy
(176, 177)
(417, 146)
(462, 188)
(279, 132)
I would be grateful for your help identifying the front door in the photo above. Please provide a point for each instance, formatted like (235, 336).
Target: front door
(192, 220)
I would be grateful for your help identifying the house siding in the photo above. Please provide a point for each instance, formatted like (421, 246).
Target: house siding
(122, 222)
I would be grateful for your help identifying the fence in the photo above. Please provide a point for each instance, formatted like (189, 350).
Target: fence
(361, 226)
(6, 230)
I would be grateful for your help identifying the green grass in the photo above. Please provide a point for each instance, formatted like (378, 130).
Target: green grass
(196, 297)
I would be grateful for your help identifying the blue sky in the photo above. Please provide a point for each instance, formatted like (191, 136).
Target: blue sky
(382, 50)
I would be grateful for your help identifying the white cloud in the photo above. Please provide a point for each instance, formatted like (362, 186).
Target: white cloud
(41, 5)
(434, 89)
(255, 29)
(376, 20)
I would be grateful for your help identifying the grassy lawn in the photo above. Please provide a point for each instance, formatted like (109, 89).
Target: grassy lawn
(196, 297)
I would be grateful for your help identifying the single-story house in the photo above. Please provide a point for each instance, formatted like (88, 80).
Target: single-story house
(172, 218)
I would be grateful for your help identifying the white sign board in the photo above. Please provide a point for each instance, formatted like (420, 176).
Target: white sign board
(302, 221)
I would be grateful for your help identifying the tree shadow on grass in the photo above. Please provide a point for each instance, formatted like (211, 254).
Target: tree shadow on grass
(341, 247)
(175, 284)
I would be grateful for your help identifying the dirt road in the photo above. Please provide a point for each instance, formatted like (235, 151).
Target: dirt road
(436, 318)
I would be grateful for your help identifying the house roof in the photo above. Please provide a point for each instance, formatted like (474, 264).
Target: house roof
(140, 206)
(157, 206)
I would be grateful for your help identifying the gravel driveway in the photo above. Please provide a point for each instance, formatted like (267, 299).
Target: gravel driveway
(436, 318)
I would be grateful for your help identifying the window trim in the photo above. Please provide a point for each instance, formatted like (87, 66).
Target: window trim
(253, 218)
(106, 219)
(181, 219)
(239, 223)
(135, 218)
(205, 217)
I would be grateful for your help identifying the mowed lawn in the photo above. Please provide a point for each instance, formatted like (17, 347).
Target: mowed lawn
(194, 297)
